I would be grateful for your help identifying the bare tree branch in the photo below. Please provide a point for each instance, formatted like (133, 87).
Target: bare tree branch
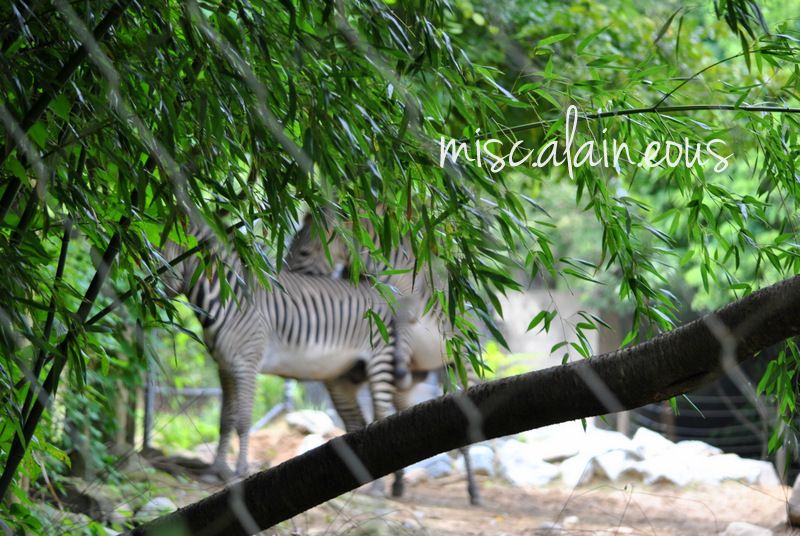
(666, 366)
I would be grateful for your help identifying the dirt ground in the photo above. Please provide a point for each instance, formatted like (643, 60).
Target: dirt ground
(441, 507)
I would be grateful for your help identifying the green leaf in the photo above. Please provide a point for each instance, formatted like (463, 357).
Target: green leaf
(553, 39)
(61, 106)
(586, 41)
(38, 134)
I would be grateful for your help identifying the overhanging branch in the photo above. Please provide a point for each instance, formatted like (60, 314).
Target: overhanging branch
(661, 368)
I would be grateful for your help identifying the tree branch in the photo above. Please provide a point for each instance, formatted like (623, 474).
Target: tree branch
(666, 366)
(655, 109)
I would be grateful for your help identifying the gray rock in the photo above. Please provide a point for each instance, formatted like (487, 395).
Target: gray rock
(549, 527)
(482, 458)
(520, 465)
(155, 507)
(309, 421)
(740, 528)
(435, 466)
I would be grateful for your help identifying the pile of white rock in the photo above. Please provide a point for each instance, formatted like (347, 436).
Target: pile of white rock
(577, 457)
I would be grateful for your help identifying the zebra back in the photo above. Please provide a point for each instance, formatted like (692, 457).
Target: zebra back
(400, 271)
(299, 310)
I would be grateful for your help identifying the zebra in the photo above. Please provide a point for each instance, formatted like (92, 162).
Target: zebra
(423, 331)
(305, 327)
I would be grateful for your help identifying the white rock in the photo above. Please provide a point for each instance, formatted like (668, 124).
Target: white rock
(768, 475)
(519, 464)
(739, 528)
(615, 464)
(649, 443)
(603, 453)
(534, 473)
(435, 466)
(556, 442)
(691, 447)
(309, 442)
(732, 467)
(704, 472)
(569, 521)
(415, 475)
(482, 459)
(156, 507)
(309, 421)
(577, 470)
(664, 469)
(600, 441)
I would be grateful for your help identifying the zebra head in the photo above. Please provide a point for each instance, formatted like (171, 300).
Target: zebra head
(174, 278)
(306, 253)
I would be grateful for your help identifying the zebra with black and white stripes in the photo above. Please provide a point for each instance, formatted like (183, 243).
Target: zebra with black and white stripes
(420, 328)
(305, 327)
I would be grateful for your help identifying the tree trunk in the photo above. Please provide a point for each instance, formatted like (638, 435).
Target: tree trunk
(671, 364)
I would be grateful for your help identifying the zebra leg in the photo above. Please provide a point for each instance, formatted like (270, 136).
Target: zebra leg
(402, 400)
(472, 486)
(245, 391)
(343, 394)
(227, 421)
(381, 377)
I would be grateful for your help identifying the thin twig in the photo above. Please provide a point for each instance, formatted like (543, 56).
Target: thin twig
(655, 109)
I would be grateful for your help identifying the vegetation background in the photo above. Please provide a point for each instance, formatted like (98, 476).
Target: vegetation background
(125, 122)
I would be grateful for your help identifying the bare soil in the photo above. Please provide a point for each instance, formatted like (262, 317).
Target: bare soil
(441, 507)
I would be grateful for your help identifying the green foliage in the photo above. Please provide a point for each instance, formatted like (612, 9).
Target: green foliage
(237, 115)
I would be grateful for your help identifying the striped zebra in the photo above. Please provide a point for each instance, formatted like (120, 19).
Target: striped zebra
(423, 331)
(305, 327)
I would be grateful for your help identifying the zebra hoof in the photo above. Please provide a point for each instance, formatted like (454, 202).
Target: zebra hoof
(221, 471)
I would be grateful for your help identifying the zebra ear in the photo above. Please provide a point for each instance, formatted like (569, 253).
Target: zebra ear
(307, 219)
